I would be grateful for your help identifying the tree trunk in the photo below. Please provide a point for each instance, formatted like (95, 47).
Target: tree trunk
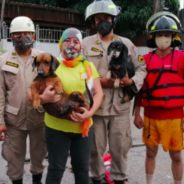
(156, 6)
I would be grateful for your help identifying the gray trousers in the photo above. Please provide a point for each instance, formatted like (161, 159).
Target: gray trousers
(111, 133)
(14, 151)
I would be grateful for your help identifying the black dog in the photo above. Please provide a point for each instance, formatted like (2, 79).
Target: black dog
(120, 64)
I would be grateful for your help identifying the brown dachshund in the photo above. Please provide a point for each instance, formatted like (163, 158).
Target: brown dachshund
(46, 64)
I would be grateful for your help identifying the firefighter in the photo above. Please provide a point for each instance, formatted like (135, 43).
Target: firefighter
(111, 121)
(18, 119)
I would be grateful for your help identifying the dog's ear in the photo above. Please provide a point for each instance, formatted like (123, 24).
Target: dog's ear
(54, 63)
(34, 63)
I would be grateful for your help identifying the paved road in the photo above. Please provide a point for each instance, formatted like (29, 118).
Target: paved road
(135, 166)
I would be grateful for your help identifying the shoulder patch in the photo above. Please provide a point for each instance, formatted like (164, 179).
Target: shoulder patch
(140, 58)
(97, 50)
(14, 53)
(9, 63)
(98, 42)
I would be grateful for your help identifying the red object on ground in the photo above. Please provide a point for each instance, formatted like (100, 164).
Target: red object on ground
(107, 163)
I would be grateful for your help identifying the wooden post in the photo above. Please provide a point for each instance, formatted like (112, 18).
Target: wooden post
(2, 17)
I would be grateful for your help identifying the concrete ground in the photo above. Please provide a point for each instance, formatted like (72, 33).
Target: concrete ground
(135, 171)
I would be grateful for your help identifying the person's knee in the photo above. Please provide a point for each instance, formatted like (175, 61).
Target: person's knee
(176, 156)
(151, 152)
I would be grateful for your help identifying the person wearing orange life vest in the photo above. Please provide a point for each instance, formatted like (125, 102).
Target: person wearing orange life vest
(162, 94)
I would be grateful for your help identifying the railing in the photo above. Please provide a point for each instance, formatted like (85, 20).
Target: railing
(49, 35)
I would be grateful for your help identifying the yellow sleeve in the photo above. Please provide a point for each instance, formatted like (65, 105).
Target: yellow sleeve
(94, 70)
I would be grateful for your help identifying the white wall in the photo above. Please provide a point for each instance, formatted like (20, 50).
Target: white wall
(51, 48)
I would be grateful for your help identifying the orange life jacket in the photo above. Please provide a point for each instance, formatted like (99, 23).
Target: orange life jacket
(164, 85)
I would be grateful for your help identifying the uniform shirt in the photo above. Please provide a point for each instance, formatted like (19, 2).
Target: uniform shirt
(73, 80)
(96, 51)
(16, 76)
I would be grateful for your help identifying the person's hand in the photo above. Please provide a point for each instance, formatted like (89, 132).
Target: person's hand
(80, 117)
(107, 82)
(126, 81)
(49, 95)
(138, 121)
(2, 131)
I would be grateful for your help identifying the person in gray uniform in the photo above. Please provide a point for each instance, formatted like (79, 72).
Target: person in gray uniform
(111, 121)
(18, 119)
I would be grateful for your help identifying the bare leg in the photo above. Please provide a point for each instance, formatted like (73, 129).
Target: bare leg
(177, 165)
(151, 153)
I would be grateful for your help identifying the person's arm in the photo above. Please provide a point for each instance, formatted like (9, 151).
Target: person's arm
(138, 120)
(107, 82)
(97, 97)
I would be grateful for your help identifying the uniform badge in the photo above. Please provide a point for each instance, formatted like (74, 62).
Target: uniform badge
(9, 63)
(94, 49)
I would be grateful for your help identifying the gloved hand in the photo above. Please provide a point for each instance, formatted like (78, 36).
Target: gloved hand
(107, 83)
(2, 131)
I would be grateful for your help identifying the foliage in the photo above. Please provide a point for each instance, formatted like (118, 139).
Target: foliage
(132, 20)
(172, 5)
(133, 17)
(135, 14)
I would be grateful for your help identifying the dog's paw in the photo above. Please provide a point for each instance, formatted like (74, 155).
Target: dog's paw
(59, 91)
(36, 104)
(117, 83)
(108, 75)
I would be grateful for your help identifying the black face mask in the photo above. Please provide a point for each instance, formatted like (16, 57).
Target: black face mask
(104, 28)
(22, 43)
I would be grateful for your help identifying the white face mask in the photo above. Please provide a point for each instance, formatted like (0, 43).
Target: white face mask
(163, 42)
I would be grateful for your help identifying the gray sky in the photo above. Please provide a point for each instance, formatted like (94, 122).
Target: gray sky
(181, 4)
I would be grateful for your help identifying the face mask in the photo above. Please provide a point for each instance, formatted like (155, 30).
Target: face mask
(163, 42)
(22, 43)
(104, 28)
(70, 53)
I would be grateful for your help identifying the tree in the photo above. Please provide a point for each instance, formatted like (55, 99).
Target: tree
(133, 17)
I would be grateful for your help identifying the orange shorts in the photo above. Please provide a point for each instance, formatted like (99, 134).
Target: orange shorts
(167, 132)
